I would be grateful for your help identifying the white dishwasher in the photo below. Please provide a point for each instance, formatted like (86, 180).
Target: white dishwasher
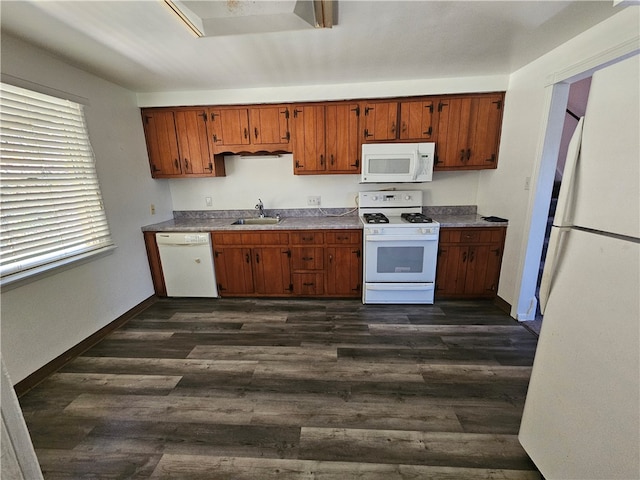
(187, 264)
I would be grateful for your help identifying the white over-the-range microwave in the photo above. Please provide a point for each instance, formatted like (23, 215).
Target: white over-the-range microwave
(397, 162)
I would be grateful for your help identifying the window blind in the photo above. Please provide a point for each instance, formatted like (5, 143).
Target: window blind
(51, 209)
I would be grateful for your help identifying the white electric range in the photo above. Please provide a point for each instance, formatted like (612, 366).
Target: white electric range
(400, 248)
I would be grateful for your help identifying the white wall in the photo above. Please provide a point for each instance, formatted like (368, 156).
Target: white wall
(272, 180)
(527, 108)
(44, 318)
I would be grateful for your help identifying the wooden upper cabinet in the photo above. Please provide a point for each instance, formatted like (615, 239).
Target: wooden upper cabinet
(325, 138)
(229, 126)
(269, 125)
(468, 132)
(416, 120)
(162, 143)
(178, 145)
(380, 121)
(342, 141)
(249, 129)
(308, 128)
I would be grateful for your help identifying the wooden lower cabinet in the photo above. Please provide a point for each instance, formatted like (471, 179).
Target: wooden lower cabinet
(291, 263)
(252, 263)
(469, 262)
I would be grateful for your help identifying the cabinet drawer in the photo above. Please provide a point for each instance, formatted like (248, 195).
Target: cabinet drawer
(308, 283)
(470, 235)
(307, 258)
(250, 238)
(307, 238)
(344, 237)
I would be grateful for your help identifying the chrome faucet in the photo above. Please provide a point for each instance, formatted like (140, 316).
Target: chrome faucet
(260, 206)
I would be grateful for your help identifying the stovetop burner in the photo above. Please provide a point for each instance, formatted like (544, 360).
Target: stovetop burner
(416, 218)
(375, 218)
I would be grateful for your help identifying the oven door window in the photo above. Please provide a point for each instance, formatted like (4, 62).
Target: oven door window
(400, 260)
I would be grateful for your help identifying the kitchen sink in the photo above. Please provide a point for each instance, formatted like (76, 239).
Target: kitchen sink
(257, 221)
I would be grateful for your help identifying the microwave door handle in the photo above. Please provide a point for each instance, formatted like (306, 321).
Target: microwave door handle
(415, 165)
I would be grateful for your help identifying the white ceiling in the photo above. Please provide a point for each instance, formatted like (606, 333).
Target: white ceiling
(143, 46)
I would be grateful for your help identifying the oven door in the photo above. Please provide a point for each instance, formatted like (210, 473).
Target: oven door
(400, 258)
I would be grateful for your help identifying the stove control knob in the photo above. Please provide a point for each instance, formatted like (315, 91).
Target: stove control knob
(407, 197)
(374, 198)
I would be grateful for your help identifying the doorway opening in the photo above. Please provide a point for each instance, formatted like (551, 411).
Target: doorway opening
(576, 107)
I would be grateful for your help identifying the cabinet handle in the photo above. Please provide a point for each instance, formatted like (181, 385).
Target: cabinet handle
(462, 153)
(255, 131)
(307, 239)
(471, 256)
(332, 160)
(210, 167)
(175, 162)
(330, 258)
(468, 154)
(393, 128)
(257, 258)
(308, 284)
(298, 164)
(248, 258)
(492, 159)
(428, 132)
(154, 168)
(367, 134)
(464, 257)
(404, 127)
(322, 160)
(246, 133)
(216, 139)
(357, 164)
(357, 252)
(307, 259)
(186, 164)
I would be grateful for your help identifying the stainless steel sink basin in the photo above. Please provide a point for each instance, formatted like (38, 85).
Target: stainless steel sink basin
(257, 221)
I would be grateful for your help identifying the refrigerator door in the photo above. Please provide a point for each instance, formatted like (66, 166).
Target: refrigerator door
(607, 177)
(582, 412)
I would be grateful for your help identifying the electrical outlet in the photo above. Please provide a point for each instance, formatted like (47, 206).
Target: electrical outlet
(208, 201)
(527, 183)
(153, 209)
(313, 200)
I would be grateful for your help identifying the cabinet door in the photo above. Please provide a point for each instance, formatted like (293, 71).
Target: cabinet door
(272, 273)
(416, 120)
(483, 270)
(451, 269)
(308, 139)
(342, 143)
(233, 270)
(344, 271)
(380, 121)
(191, 129)
(269, 125)
(484, 131)
(229, 126)
(453, 132)
(162, 143)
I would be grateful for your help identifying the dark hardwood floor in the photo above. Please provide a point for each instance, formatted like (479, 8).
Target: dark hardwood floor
(291, 389)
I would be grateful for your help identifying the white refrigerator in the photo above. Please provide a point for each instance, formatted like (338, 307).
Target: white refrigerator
(581, 418)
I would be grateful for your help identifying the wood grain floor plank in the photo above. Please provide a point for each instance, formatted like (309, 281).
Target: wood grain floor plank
(413, 447)
(188, 467)
(168, 409)
(317, 353)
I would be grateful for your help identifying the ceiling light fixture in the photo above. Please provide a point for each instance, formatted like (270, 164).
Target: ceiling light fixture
(324, 13)
(184, 18)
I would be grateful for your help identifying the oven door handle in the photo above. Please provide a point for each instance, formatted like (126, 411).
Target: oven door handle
(400, 286)
(400, 238)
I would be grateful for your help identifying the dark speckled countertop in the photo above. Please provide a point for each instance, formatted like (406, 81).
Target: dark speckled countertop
(303, 219)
